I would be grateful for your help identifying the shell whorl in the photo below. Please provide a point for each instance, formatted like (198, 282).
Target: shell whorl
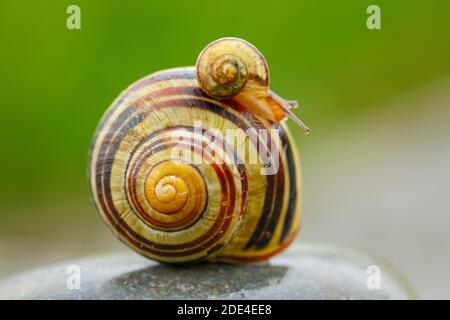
(171, 208)
(229, 66)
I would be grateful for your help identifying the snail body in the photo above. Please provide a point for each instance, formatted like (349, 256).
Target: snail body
(166, 179)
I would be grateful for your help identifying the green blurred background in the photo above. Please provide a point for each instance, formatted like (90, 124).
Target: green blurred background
(376, 166)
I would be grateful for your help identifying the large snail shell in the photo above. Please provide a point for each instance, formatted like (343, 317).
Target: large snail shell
(172, 209)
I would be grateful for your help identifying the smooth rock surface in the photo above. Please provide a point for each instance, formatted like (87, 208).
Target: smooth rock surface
(302, 272)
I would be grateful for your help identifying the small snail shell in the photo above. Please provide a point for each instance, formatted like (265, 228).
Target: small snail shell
(172, 209)
(229, 66)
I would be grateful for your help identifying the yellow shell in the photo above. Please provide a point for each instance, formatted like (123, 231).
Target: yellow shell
(182, 177)
(229, 66)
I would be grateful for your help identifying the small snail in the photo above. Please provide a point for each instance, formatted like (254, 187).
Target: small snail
(171, 183)
(233, 68)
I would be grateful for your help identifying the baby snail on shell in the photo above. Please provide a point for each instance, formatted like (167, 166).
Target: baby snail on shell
(193, 164)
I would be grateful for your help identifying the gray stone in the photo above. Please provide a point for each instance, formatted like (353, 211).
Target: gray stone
(302, 272)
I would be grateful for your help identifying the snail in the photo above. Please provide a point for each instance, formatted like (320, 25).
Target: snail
(195, 164)
(232, 67)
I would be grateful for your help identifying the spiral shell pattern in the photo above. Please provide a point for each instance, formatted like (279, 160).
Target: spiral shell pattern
(229, 66)
(172, 209)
